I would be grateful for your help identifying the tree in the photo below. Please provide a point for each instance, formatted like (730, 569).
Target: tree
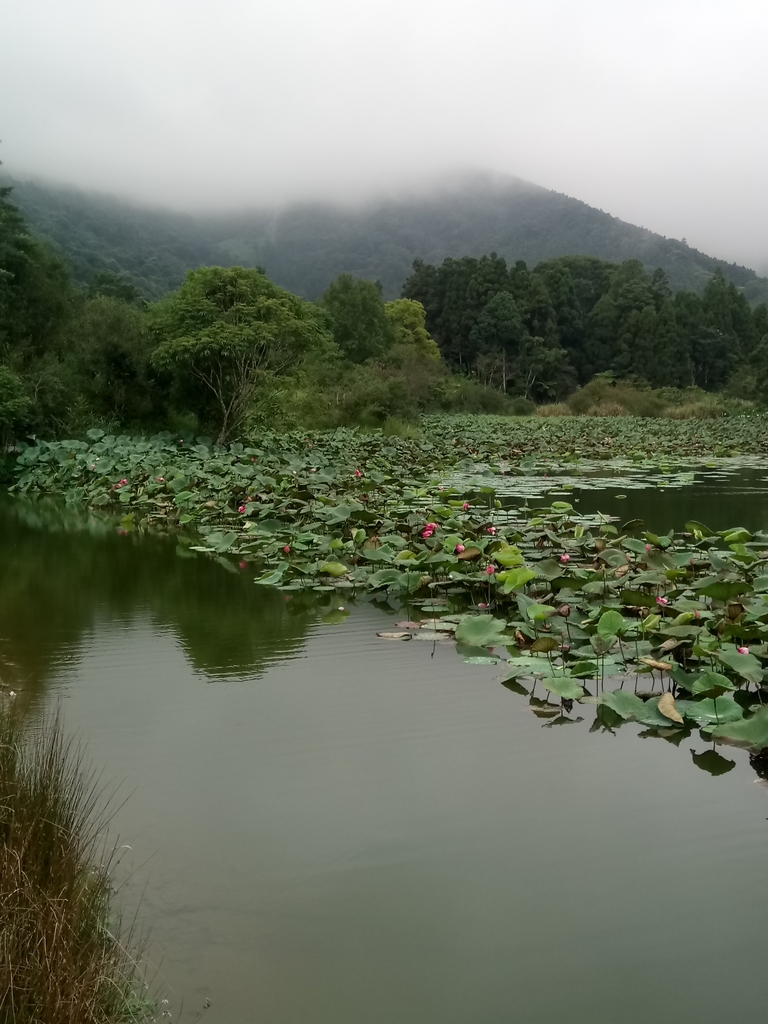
(359, 321)
(408, 319)
(496, 338)
(14, 404)
(107, 344)
(35, 289)
(230, 328)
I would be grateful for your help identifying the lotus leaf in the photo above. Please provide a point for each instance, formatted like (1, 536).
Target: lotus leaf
(480, 630)
(752, 732)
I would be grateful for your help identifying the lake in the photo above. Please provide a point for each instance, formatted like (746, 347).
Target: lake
(326, 827)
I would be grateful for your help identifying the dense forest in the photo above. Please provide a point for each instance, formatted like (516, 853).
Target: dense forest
(305, 246)
(543, 332)
(230, 349)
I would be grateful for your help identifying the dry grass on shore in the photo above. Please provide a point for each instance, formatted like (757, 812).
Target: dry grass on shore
(61, 960)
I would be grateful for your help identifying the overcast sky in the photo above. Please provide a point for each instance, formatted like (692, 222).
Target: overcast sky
(654, 110)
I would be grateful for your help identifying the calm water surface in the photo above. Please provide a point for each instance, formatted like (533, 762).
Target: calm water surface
(330, 828)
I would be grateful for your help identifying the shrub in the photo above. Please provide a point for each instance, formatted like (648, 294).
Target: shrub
(607, 409)
(394, 427)
(634, 400)
(695, 411)
(554, 409)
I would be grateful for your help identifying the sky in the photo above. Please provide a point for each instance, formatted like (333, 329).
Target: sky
(653, 110)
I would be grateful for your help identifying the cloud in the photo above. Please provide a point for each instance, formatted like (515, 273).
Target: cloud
(652, 111)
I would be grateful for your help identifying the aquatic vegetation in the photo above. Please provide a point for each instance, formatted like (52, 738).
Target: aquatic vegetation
(566, 600)
(62, 957)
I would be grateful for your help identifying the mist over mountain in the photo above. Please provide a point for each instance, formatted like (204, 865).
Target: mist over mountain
(304, 246)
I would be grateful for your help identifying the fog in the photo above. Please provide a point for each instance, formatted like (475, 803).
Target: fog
(653, 111)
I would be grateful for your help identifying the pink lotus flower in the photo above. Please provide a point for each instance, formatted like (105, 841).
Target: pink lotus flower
(490, 529)
(241, 508)
(249, 498)
(565, 558)
(648, 547)
(253, 458)
(490, 570)
(161, 479)
(743, 650)
(482, 605)
(93, 467)
(117, 487)
(287, 549)
(697, 615)
(459, 548)
(465, 506)
(242, 564)
(358, 473)
(441, 488)
(123, 482)
(662, 601)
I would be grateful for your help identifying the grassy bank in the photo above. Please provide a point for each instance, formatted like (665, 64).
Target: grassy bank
(62, 960)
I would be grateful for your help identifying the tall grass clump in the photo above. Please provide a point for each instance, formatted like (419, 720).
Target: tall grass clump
(62, 960)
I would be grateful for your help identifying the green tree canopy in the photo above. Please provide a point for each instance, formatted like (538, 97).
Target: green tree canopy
(408, 320)
(361, 327)
(227, 329)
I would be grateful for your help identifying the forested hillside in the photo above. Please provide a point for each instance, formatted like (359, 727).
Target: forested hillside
(304, 247)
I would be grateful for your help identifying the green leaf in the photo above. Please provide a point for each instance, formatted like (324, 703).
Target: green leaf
(515, 579)
(564, 687)
(724, 591)
(508, 555)
(544, 644)
(625, 704)
(271, 579)
(638, 598)
(752, 732)
(651, 716)
(334, 569)
(610, 624)
(480, 631)
(745, 665)
(721, 710)
(712, 683)
(539, 612)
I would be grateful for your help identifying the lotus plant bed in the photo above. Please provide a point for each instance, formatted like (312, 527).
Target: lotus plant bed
(571, 602)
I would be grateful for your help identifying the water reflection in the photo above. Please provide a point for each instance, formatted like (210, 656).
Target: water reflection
(377, 831)
(64, 571)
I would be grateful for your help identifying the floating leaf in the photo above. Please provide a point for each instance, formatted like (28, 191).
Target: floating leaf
(480, 631)
(719, 711)
(625, 704)
(752, 732)
(564, 687)
(667, 707)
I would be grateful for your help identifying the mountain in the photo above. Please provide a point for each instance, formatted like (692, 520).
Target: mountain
(304, 246)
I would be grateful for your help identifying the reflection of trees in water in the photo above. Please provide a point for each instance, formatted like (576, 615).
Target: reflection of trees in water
(63, 570)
